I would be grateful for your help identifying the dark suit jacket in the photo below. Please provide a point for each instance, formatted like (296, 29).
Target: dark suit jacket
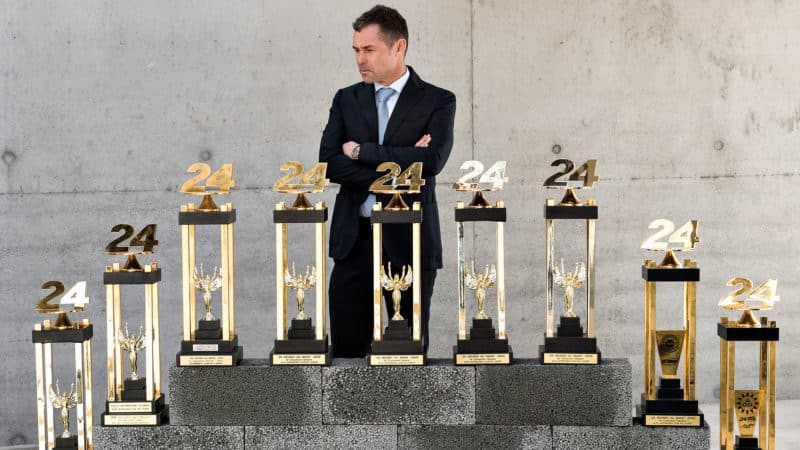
(421, 109)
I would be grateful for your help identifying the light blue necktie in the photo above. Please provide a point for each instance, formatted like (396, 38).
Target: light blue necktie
(382, 99)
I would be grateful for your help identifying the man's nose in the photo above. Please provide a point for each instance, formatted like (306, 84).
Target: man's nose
(360, 58)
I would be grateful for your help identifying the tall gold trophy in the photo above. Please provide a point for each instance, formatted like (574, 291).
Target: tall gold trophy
(397, 346)
(303, 343)
(753, 408)
(569, 344)
(669, 404)
(482, 345)
(214, 342)
(136, 399)
(52, 393)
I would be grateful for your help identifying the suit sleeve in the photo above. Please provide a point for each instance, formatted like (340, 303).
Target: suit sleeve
(341, 169)
(432, 157)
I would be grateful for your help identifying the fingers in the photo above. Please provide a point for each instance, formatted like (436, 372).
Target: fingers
(423, 141)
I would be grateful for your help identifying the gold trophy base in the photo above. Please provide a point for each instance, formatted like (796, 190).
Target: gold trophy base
(135, 413)
(396, 360)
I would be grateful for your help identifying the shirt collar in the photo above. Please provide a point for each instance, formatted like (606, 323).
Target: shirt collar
(398, 85)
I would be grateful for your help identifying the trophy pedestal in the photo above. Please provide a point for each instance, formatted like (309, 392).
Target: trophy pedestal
(210, 352)
(301, 349)
(670, 409)
(135, 412)
(482, 346)
(69, 443)
(570, 346)
(397, 347)
(743, 443)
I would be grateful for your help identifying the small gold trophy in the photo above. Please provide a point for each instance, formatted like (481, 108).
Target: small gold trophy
(753, 408)
(482, 345)
(48, 391)
(135, 400)
(569, 344)
(668, 404)
(304, 343)
(214, 342)
(397, 346)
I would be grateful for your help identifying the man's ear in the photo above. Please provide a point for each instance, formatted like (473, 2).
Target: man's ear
(401, 44)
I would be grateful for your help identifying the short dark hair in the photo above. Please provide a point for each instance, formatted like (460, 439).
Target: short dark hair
(393, 26)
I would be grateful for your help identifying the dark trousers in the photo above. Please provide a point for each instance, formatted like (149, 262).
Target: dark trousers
(351, 302)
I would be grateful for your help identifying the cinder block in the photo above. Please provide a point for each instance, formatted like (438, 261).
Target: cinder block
(250, 394)
(635, 437)
(168, 437)
(321, 437)
(439, 393)
(463, 437)
(530, 393)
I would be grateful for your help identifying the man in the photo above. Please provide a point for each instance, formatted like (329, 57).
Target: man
(392, 115)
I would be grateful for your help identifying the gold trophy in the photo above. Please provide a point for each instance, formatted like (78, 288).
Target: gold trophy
(48, 391)
(397, 346)
(754, 409)
(214, 342)
(304, 343)
(668, 404)
(482, 345)
(569, 344)
(135, 400)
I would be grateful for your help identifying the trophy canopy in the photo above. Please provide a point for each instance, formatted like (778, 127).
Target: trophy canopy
(311, 182)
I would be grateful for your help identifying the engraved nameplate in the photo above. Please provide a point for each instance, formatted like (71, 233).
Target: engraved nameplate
(482, 358)
(130, 407)
(205, 347)
(300, 359)
(671, 420)
(130, 419)
(570, 358)
(206, 360)
(396, 360)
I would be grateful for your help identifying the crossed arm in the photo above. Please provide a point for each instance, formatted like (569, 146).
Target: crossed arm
(432, 148)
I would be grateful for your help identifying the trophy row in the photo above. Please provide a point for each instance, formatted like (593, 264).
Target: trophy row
(136, 398)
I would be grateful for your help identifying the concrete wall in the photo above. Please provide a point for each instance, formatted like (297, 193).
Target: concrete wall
(692, 110)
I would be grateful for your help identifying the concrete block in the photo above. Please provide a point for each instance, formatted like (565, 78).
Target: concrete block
(634, 437)
(322, 437)
(529, 393)
(474, 437)
(250, 394)
(439, 393)
(169, 437)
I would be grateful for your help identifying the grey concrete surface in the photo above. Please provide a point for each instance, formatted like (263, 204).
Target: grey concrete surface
(250, 394)
(169, 437)
(439, 393)
(530, 393)
(322, 437)
(690, 108)
(634, 438)
(474, 437)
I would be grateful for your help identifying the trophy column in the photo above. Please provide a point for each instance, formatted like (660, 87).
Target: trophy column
(136, 400)
(302, 343)
(668, 404)
(50, 393)
(395, 346)
(569, 344)
(753, 408)
(214, 342)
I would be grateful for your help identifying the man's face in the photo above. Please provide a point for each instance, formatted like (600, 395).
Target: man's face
(377, 61)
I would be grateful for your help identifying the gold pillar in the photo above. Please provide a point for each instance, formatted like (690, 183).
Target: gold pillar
(321, 258)
(280, 268)
(462, 272)
(416, 234)
(590, 249)
(377, 260)
(501, 276)
(690, 323)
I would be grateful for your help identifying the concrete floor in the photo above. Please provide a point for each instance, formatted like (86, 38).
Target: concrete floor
(787, 425)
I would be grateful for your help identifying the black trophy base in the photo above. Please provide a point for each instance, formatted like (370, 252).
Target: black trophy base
(134, 390)
(669, 412)
(69, 443)
(397, 347)
(482, 346)
(131, 414)
(301, 348)
(570, 345)
(201, 356)
(744, 443)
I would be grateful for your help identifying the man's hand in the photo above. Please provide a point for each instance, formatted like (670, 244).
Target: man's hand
(347, 148)
(423, 141)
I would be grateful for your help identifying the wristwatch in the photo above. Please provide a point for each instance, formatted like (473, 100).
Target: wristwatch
(355, 152)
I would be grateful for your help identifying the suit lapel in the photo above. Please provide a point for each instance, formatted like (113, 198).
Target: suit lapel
(366, 103)
(411, 95)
